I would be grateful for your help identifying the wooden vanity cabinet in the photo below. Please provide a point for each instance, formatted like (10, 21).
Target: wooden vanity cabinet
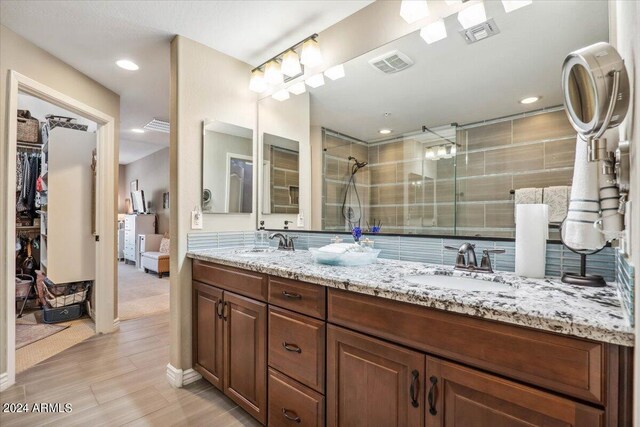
(208, 332)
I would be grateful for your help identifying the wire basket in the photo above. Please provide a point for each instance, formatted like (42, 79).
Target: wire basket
(75, 293)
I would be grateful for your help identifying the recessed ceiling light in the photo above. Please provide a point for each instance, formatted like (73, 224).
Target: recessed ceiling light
(137, 130)
(384, 131)
(315, 81)
(472, 15)
(511, 5)
(127, 65)
(529, 99)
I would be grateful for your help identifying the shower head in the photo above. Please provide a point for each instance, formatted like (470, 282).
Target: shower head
(357, 165)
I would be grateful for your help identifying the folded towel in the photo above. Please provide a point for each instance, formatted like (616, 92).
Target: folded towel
(338, 248)
(584, 208)
(527, 196)
(612, 220)
(558, 200)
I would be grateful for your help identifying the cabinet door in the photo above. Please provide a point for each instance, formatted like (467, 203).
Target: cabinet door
(464, 397)
(245, 355)
(371, 382)
(207, 340)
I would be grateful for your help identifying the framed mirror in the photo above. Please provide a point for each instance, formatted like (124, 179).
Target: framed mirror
(227, 168)
(281, 180)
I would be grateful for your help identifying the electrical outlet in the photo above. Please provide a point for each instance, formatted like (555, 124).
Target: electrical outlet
(196, 220)
(300, 220)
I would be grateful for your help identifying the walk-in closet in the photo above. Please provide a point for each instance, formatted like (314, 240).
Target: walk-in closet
(55, 230)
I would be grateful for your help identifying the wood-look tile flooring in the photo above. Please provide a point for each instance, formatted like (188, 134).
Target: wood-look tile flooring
(119, 379)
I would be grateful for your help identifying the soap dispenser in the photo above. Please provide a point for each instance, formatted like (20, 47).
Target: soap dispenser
(261, 239)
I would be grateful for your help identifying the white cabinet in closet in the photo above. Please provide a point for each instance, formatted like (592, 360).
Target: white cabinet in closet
(135, 225)
(69, 249)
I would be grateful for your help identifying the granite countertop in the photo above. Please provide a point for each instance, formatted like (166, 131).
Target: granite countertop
(545, 304)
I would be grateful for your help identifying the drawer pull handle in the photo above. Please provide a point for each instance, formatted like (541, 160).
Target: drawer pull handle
(291, 347)
(290, 415)
(219, 309)
(225, 310)
(431, 398)
(414, 390)
(291, 296)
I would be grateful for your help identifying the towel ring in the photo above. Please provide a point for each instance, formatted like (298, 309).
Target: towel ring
(596, 91)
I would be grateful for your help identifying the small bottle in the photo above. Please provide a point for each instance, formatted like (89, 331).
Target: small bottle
(261, 239)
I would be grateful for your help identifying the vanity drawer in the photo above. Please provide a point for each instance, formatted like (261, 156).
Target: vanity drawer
(243, 282)
(291, 403)
(567, 365)
(296, 347)
(304, 298)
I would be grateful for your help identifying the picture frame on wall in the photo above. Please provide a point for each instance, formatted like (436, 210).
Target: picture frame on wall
(133, 186)
(165, 200)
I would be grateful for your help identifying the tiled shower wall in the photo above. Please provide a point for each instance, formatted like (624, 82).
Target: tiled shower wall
(468, 195)
(284, 179)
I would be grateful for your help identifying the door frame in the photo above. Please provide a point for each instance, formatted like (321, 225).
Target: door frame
(231, 156)
(105, 280)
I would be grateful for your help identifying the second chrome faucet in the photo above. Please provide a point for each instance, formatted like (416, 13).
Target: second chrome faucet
(466, 258)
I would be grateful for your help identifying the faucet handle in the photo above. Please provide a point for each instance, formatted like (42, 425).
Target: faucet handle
(493, 251)
(451, 248)
(485, 263)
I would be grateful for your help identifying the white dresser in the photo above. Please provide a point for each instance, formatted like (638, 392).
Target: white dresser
(135, 225)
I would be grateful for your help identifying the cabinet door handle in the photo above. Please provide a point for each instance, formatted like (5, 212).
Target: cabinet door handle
(291, 415)
(219, 309)
(225, 310)
(431, 397)
(414, 390)
(291, 347)
(291, 296)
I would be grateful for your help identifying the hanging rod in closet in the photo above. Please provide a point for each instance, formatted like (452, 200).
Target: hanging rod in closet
(27, 146)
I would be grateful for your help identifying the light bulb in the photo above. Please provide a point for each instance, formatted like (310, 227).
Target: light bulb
(281, 95)
(335, 73)
(291, 64)
(272, 73)
(297, 88)
(257, 83)
(315, 81)
(430, 154)
(434, 32)
(311, 56)
(472, 15)
(414, 10)
(454, 150)
(442, 151)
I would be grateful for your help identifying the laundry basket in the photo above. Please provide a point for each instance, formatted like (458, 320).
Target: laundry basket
(64, 300)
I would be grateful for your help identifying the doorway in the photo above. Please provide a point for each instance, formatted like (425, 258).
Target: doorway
(105, 224)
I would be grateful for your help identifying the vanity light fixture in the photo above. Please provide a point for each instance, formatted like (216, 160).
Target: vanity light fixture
(273, 73)
(442, 152)
(430, 154)
(281, 95)
(127, 65)
(434, 32)
(511, 5)
(384, 131)
(414, 10)
(452, 2)
(291, 64)
(472, 15)
(530, 99)
(453, 150)
(335, 72)
(137, 130)
(311, 56)
(257, 83)
(297, 88)
(315, 81)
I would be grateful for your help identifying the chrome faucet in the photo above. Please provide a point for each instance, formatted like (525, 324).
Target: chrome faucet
(285, 242)
(466, 259)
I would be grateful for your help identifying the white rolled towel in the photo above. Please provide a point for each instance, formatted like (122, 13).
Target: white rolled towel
(558, 200)
(612, 221)
(584, 208)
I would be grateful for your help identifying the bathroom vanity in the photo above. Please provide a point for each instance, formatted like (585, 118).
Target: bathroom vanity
(294, 342)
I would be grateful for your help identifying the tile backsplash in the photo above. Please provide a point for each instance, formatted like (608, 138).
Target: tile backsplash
(430, 250)
(625, 274)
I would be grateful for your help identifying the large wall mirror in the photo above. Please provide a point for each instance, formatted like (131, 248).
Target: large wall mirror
(281, 180)
(227, 168)
(435, 138)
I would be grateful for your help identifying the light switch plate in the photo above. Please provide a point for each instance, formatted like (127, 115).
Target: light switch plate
(196, 220)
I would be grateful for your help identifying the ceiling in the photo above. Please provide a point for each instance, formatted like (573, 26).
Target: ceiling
(91, 35)
(452, 81)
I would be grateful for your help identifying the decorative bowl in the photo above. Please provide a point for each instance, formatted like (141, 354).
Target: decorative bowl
(347, 259)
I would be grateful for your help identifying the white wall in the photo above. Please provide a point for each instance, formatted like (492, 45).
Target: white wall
(205, 84)
(289, 119)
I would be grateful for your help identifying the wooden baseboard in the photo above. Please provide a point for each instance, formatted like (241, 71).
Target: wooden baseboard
(4, 381)
(180, 378)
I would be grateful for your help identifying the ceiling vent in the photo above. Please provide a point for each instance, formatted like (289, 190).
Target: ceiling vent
(480, 32)
(391, 62)
(158, 126)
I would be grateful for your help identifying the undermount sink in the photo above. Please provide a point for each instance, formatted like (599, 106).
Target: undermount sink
(456, 282)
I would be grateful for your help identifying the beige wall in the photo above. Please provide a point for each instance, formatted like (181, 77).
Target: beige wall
(205, 84)
(152, 173)
(16, 53)
(625, 35)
